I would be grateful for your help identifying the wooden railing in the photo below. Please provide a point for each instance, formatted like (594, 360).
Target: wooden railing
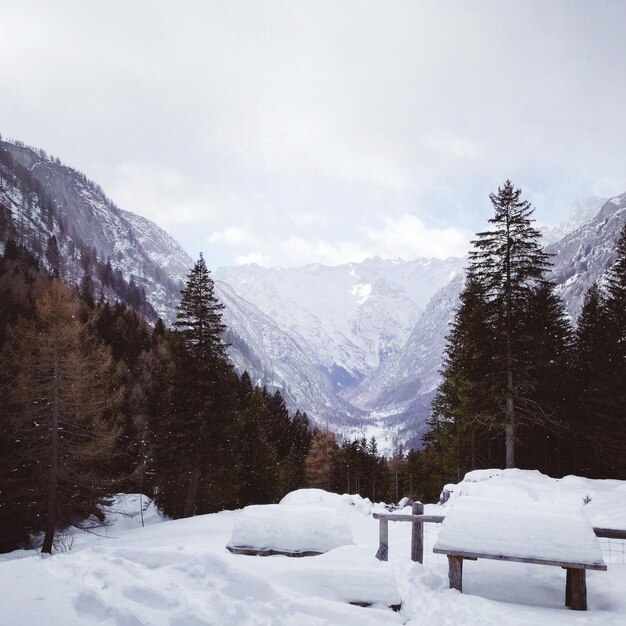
(418, 519)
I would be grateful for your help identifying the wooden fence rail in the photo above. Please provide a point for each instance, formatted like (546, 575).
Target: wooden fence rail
(418, 519)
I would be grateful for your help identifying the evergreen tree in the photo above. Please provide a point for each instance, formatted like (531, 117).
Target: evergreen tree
(464, 410)
(590, 386)
(508, 262)
(546, 407)
(192, 440)
(258, 460)
(53, 256)
(616, 352)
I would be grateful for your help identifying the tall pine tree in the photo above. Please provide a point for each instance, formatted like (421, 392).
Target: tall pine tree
(191, 441)
(591, 389)
(508, 262)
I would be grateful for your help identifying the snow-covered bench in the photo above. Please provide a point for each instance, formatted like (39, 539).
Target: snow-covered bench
(296, 531)
(478, 528)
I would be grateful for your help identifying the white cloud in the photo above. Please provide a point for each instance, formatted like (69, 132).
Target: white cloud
(232, 236)
(408, 237)
(254, 257)
(301, 250)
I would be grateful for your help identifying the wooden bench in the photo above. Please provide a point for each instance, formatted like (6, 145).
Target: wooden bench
(477, 528)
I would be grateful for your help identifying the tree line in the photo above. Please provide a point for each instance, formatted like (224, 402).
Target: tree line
(521, 386)
(95, 401)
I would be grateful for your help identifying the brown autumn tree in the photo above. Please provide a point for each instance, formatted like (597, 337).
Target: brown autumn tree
(319, 462)
(60, 398)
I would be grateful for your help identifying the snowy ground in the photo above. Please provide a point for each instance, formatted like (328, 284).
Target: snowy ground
(179, 573)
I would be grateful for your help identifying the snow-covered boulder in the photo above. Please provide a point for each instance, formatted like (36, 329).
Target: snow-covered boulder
(302, 530)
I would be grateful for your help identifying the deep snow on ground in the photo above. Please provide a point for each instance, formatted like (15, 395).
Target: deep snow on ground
(179, 573)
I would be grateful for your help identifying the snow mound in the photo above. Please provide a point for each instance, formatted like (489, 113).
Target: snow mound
(303, 528)
(334, 501)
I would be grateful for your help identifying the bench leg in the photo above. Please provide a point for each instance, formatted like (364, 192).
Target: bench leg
(455, 572)
(576, 589)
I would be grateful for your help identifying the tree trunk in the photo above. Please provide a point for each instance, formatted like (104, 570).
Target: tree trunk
(54, 461)
(397, 488)
(190, 506)
(509, 432)
(473, 445)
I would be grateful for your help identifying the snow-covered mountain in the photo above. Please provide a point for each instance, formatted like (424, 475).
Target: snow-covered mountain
(316, 331)
(358, 346)
(581, 212)
(42, 198)
(273, 358)
(585, 254)
(349, 318)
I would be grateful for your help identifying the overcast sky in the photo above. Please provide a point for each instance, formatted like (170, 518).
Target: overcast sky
(294, 132)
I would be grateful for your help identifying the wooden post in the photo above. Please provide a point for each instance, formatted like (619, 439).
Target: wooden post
(576, 589)
(383, 542)
(417, 535)
(455, 572)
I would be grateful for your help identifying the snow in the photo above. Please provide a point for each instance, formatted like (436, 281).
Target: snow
(179, 573)
(606, 499)
(361, 292)
(290, 529)
(509, 528)
(340, 503)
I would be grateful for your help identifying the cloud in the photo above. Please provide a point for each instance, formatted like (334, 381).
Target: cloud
(301, 250)
(407, 237)
(232, 236)
(295, 131)
(254, 257)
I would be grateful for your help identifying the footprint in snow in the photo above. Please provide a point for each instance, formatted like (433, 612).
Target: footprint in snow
(149, 598)
(89, 607)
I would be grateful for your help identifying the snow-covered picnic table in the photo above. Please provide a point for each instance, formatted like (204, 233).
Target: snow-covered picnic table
(546, 534)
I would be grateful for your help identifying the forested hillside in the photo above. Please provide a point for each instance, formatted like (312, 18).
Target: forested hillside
(522, 386)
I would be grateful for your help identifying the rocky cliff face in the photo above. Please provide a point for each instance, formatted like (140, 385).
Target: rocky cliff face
(585, 254)
(44, 198)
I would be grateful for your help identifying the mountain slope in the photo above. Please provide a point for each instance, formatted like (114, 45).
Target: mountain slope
(273, 358)
(43, 198)
(585, 254)
(348, 318)
(130, 258)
